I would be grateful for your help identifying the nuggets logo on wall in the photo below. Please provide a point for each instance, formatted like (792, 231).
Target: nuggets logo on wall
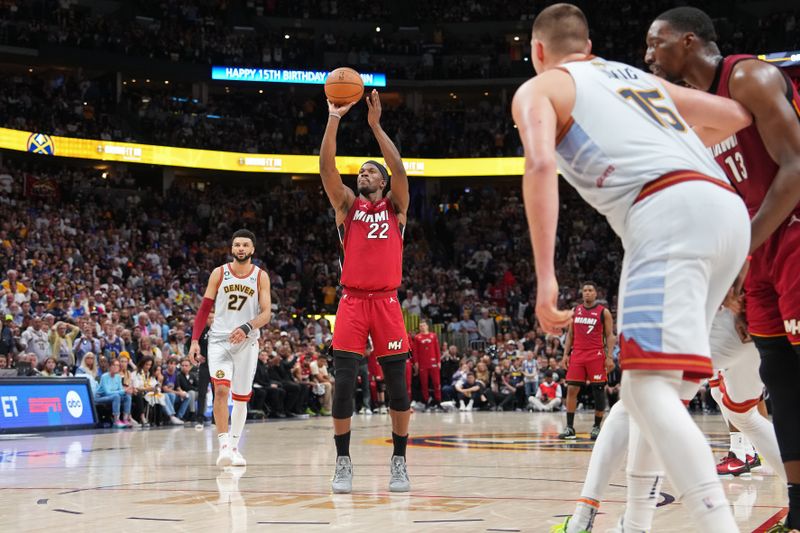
(39, 143)
(220, 374)
(520, 442)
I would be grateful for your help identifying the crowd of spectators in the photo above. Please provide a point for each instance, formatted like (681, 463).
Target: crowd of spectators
(226, 32)
(116, 271)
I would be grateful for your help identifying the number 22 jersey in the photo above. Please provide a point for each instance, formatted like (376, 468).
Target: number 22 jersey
(371, 246)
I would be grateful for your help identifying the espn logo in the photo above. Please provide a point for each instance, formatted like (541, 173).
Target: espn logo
(792, 326)
(396, 345)
(44, 405)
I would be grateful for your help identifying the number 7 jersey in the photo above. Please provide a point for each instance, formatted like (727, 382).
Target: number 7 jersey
(372, 246)
(625, 132)
(236, 302)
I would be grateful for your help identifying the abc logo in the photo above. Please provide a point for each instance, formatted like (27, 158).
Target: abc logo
(74, 404)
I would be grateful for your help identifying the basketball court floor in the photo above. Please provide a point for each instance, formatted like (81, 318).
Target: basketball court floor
(470, 472)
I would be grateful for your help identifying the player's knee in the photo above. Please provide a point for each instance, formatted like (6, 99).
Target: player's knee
(221, 389)
(599, 395)
(394, 375)
(346, 372)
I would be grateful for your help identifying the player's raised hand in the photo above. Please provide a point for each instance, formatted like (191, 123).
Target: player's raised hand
(339, 110)
(374, 105)
(194, 351)
(550, 317)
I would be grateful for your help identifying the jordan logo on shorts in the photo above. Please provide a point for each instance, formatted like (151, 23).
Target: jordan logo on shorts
(792, 220)
(396, 345)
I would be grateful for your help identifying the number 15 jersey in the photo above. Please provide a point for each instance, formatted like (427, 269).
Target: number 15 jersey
(625, 132)
(236, 303)
(371, 247)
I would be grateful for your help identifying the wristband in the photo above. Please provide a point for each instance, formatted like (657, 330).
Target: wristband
(246, 327)
(335, 115)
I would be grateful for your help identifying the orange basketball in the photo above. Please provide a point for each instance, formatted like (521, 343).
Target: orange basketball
(344, 86)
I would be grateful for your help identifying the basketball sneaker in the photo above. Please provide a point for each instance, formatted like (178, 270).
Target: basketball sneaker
(343, 476)
(569, 434)
(732, 466)
(781, 528)
(224, 458)
(237, 459)
(595, 432)
(399, 482)
(562, 528)
(754, 461)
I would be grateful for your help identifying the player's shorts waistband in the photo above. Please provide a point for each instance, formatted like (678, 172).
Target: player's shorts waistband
(372, 295)
(673, 178)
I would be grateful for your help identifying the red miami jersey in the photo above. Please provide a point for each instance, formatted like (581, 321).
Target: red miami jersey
(743, 156)
(587, 329)
(372, 247)
(425, 349)
(550, 391)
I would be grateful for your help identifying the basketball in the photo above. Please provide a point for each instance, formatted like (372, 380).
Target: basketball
(344, 86)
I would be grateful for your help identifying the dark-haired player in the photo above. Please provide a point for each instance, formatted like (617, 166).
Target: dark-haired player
(623, 139)
(588, 356)
(370, 227)
(763, 164)
(240, 296)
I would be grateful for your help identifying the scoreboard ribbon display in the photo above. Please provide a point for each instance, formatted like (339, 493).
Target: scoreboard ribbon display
(37, 404)
(170, 156)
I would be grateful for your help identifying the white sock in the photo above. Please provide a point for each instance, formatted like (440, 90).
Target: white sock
(748, 446)
(583, 517)
(644, 476)
(654, 403)
(709, 508)
(224, 441)
(238, 418)
(737, 446)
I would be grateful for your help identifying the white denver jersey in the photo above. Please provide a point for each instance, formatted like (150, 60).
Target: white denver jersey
(236, 303)
(625, 132)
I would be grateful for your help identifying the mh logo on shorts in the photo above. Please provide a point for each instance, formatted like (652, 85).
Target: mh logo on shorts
(396, 345)
(792, 326)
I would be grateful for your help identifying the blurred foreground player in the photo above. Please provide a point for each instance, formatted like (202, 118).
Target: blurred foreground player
(370, 228)
(763, 163)
(240, 296)
(620, 138)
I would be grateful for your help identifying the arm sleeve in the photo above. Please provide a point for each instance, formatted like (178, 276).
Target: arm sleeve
(201, 318)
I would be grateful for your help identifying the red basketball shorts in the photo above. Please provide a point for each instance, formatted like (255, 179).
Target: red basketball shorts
(587, 366)
(773, 285)
(376, 315)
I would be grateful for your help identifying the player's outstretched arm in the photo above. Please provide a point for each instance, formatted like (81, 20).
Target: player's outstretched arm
(339, 194)
(202, 314)
(762, 89)
(713, 118)
(535, 116)
(399, 185)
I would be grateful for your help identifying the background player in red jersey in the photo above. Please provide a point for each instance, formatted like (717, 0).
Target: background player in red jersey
(427, 356)
(588, 356)
(370, 228)
(763, 164)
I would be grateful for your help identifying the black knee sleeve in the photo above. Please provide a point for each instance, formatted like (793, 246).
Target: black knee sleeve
(599, 394)
(346, 370)
(394, 375)
(780, 372)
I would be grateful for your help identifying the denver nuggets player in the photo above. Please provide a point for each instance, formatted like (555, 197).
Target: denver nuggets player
(240, 294)
(618, 137)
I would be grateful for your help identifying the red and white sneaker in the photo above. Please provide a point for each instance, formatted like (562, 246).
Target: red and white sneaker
(754, 461)
(732, 466)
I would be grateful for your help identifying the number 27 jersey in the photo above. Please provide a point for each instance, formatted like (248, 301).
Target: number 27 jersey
(236, 302)
(372, 246)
